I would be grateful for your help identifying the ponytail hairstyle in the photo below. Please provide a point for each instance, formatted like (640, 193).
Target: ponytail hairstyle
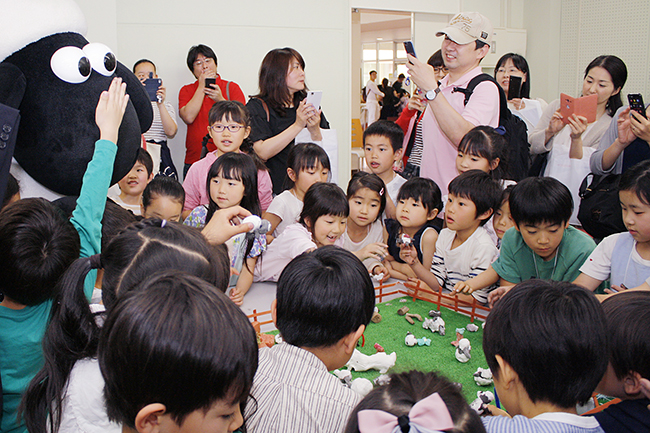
(486, 142)
(73, 334)
(361, 180)
(159, 345)
(323, 198)
(406, 389)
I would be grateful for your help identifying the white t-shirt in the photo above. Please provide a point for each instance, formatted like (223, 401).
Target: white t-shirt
(133, 208)
(375, 234)
(394, 186)
(465, 261)
(288, 208)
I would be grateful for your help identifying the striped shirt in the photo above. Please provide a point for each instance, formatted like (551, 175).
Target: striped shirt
(549, 422)
(294, 392)
(157, 132)
(465, 261)
(415, 157)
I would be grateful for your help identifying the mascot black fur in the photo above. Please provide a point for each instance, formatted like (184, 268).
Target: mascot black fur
(53, 76)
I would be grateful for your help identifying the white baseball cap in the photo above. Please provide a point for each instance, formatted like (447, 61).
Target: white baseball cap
(468, 27)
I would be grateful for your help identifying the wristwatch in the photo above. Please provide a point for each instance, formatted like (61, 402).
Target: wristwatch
(431, 94)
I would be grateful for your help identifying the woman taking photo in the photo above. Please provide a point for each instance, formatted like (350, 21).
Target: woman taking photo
(514, 65)
(572, 144)
(279, 111)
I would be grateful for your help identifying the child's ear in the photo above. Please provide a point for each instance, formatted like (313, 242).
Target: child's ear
(507, 376)
(632, 383)
(148, 418)
(495, 164)
(274, 312)
(292, 174)
(398, 154)
(151, 176)
(485, 215)
(308, 222)
(432, 214)
(566, 226)
(247, 132)
(517, 227)
(349, 342)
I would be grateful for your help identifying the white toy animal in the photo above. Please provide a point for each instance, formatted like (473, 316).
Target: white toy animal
(379, 361)
(463, 351)
(435, 325)
(482, 400)
(483, 377)
(361, 386)
(410, 340)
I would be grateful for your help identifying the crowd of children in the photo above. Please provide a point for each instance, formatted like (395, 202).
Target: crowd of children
(148, 358)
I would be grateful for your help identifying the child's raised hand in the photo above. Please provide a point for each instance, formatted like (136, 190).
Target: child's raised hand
(110, 110)
(497, 294)
(377, 250)
(408, 254)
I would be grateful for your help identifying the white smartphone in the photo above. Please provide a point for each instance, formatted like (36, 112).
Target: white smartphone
(314, 98)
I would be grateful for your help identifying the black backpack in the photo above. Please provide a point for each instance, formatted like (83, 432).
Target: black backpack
(516, 132)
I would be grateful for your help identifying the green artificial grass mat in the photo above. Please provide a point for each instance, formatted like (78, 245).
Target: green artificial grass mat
(392, 329)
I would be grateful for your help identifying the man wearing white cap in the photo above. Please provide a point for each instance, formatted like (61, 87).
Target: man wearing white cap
(467, 40)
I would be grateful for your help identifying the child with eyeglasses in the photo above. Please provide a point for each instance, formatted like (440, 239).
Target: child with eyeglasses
(229, 128)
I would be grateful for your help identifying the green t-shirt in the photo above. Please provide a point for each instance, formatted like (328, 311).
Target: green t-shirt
(21, 331)
(517, 262)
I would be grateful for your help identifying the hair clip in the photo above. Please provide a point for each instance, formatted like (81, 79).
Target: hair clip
(431, 412)
(500, 130)
(381, 192)
(163, 223)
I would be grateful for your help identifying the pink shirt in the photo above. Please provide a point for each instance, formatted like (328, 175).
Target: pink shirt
(196, 193)
(439, 153)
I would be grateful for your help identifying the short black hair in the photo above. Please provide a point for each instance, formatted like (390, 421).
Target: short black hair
(323, 198)
(38, 244)
(388, 129)
(305, 156)
(135, 65)
(480, 188)
(322, 296)
(362, 179)
(424, 190)
(145, 159)
(636, 179)
(553, 335)
(628, 315)
(406, 389)
(536, 200)
(159, 345)
(163, 186)
(194, 52)
(115, 220)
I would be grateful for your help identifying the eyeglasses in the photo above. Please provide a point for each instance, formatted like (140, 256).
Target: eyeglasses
(200, 63)
(231, 128)
(439, 69)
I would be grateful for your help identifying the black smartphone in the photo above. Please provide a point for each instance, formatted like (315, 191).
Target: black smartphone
(152, 85)
(408, 46)
(636, 103)
(514, 87)
(209, 81)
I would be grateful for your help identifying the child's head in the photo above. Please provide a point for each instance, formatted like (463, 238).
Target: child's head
(382, 145)
(627, 315)
(163, 362)
(140, 175)
(325, 211)
(419, 200)
(482, 148)
(541, 208)
(322, 298)
(142, 68)
(547, 339)
(477, 189)
(163, 198)
(502, 220)
(444, 401)
(307, 163)
(38, 245)
(12, 191)
(366, 197)
(232, 181)
(229, 125)
(634, 194)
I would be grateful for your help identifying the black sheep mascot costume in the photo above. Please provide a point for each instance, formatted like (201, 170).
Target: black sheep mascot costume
(50, 81)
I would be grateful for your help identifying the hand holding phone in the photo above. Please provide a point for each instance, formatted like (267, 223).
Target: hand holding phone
(314, 97)
(636, 103)
(584, 106)
(209, 81)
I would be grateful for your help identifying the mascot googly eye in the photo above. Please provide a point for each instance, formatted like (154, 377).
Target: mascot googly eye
(51, 78)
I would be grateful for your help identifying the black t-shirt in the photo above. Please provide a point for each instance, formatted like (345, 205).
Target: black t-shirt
(261, 129)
